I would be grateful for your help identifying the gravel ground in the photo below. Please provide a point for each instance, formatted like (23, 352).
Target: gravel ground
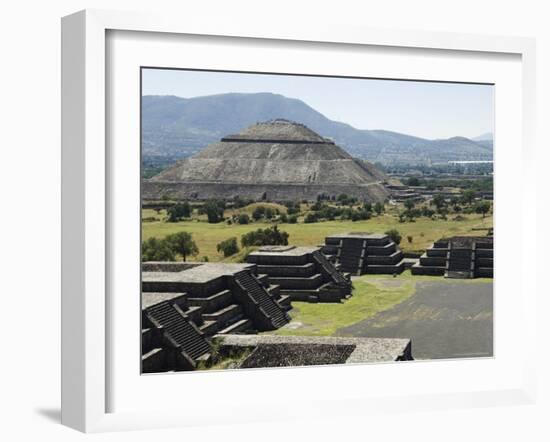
(443, 319)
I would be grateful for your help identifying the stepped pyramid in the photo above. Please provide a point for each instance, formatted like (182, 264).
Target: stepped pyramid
(274, 160)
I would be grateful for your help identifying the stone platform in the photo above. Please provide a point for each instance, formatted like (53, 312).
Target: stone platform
(360, 253)
(458, 257)
(302, 273)
(289, 351)
(185, 304)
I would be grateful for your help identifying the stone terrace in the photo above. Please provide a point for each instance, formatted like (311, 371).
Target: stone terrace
(302, 273)
(184, 304)
(359, 253)
(458, 257)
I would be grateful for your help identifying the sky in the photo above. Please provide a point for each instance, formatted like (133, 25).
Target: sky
(424, 109)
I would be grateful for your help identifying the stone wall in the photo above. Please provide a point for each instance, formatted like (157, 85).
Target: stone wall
(154, 190)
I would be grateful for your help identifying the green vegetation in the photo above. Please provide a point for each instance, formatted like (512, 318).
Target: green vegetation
(178, 211)
(243, 218)
(225, 360)
(394, 235)
(228, 247)
(262, 237)
(214, 211)
(153, 249)
(482, 207)
(207, 236)
(372, 294)
(182, 243)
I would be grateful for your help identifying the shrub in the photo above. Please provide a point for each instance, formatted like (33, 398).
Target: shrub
(258, 213)
(262, 237)
(409, 204)
(154, 249)
(228, 247)
(426, 211)
(243, 218)
(409, 239)
(293, 219)
(284, 218)
(394, 235)
(178, 211)
(379, 208)
(311, 218)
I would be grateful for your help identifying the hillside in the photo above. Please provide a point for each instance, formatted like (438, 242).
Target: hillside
(175, 128)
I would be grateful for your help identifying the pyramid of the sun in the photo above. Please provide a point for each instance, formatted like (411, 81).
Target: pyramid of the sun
(276, 160)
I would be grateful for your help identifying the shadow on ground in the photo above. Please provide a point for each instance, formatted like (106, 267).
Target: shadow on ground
(51, 414)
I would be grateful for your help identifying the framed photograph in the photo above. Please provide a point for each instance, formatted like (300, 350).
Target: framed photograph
(311, 221)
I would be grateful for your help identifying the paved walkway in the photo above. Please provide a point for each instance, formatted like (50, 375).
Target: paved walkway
(444, 319)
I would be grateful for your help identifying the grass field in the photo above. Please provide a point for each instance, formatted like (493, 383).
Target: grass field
(372, 294)
(424, 231)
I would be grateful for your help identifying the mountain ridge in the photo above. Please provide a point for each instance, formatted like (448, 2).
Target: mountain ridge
(175, 127)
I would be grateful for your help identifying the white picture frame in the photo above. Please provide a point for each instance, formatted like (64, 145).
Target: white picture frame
(86, 215)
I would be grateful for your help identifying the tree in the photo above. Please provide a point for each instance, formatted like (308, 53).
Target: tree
(379, 208)
(214, 211)
(292, 219)
(154, 249)
(439, 201)
(483, 207)
(228, 247)
(468, 196)
(178, 211)
(409, 204)
(269, 213)
(394, 235)
(263, 237)
(342, 198)
(258, 213)
(311, 217)
(243, 218)
(182, 243)
(413, 181)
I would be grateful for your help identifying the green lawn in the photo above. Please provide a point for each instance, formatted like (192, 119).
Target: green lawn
(424, 231)
(371, 294)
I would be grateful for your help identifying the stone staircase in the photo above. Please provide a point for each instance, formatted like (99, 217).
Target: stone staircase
(179, 331)
(460, 263)
(364, 253)
(329, 269)
(221, 314)
(457, 257)
(351, 254)
(257, 293)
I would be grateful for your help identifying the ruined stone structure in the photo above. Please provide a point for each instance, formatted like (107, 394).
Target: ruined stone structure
(359, 253)
(458, 257)
(302, 273)
(290, 351)
(185, 304)
(277, 160)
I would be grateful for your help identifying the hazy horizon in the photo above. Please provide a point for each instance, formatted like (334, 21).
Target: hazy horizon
(432, 110)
